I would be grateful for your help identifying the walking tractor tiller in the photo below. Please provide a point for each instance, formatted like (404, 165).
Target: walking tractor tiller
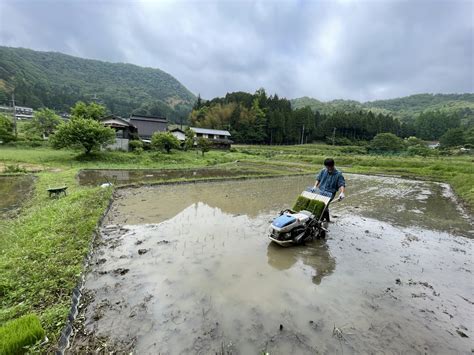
(303, 222)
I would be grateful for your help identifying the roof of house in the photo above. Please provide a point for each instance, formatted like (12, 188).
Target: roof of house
(218, 132)
(175, 130)
(148, 118)
(183, 127)
(113, 120)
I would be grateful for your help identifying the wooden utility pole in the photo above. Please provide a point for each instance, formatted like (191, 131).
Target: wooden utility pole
(334, 136)
(302, 135)
(14, 115)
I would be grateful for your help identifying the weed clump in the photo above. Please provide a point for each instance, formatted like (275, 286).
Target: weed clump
(14, 169)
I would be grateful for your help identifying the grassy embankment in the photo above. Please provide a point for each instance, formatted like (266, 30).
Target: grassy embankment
(43, 248)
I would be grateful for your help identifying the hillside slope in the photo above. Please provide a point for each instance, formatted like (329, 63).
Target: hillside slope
(405, 108)
(58, 80)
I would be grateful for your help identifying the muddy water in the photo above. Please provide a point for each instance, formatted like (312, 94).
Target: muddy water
(13, 191)
(188, 269)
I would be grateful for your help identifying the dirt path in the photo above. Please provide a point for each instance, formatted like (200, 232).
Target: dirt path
(188, 269)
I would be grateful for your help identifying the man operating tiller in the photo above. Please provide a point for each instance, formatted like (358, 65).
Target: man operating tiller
(328, 182)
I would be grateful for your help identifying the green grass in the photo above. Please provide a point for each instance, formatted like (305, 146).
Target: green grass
(48, 158)
(19, 333)
(42, 250)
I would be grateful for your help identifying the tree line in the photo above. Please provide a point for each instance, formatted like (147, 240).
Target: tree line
(261, 119)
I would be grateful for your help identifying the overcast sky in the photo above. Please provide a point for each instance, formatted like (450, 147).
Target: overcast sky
(363, 50)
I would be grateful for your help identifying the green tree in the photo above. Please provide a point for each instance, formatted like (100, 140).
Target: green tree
(198, 103)
(453, 137)
(386, 143)
(43, 123)
(433, 124)
(89, 111)
(189, 140)
(6, 129)
(164, 141)
(82, 133)
(469, 137)
(204, 145)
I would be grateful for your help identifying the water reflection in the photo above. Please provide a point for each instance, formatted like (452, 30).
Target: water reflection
(13, 191)
(315, 254)
(396, 201)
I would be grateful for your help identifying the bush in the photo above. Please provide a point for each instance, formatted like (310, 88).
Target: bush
(164, 141)
(421, 150)
(19, 333)
(354, 150)
(6, 129)
(43, 123)
(386, 143)
(135, 144)
(339, 141)
(413, 141)
(452, 138)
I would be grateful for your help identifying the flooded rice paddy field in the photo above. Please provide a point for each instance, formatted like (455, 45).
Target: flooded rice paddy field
(13, 191)
(94, 177)
(183, 269)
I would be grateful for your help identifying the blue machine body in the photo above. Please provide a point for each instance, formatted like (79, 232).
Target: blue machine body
(283, 220)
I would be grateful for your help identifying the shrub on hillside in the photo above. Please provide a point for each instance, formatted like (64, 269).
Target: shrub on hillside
(386, 143)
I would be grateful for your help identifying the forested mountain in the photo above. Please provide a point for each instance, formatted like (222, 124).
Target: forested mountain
(55, 80)
(405, 108)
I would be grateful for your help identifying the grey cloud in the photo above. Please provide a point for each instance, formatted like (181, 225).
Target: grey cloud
(339, 49)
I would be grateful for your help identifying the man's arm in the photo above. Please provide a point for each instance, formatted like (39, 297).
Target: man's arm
(342, 187)
(318, 180)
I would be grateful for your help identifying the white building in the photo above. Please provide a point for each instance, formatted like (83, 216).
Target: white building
(178, 133)
(219, 138)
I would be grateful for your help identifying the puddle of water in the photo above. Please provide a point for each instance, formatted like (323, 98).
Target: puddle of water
(121, 176)
(13, 191)
(188, 269)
